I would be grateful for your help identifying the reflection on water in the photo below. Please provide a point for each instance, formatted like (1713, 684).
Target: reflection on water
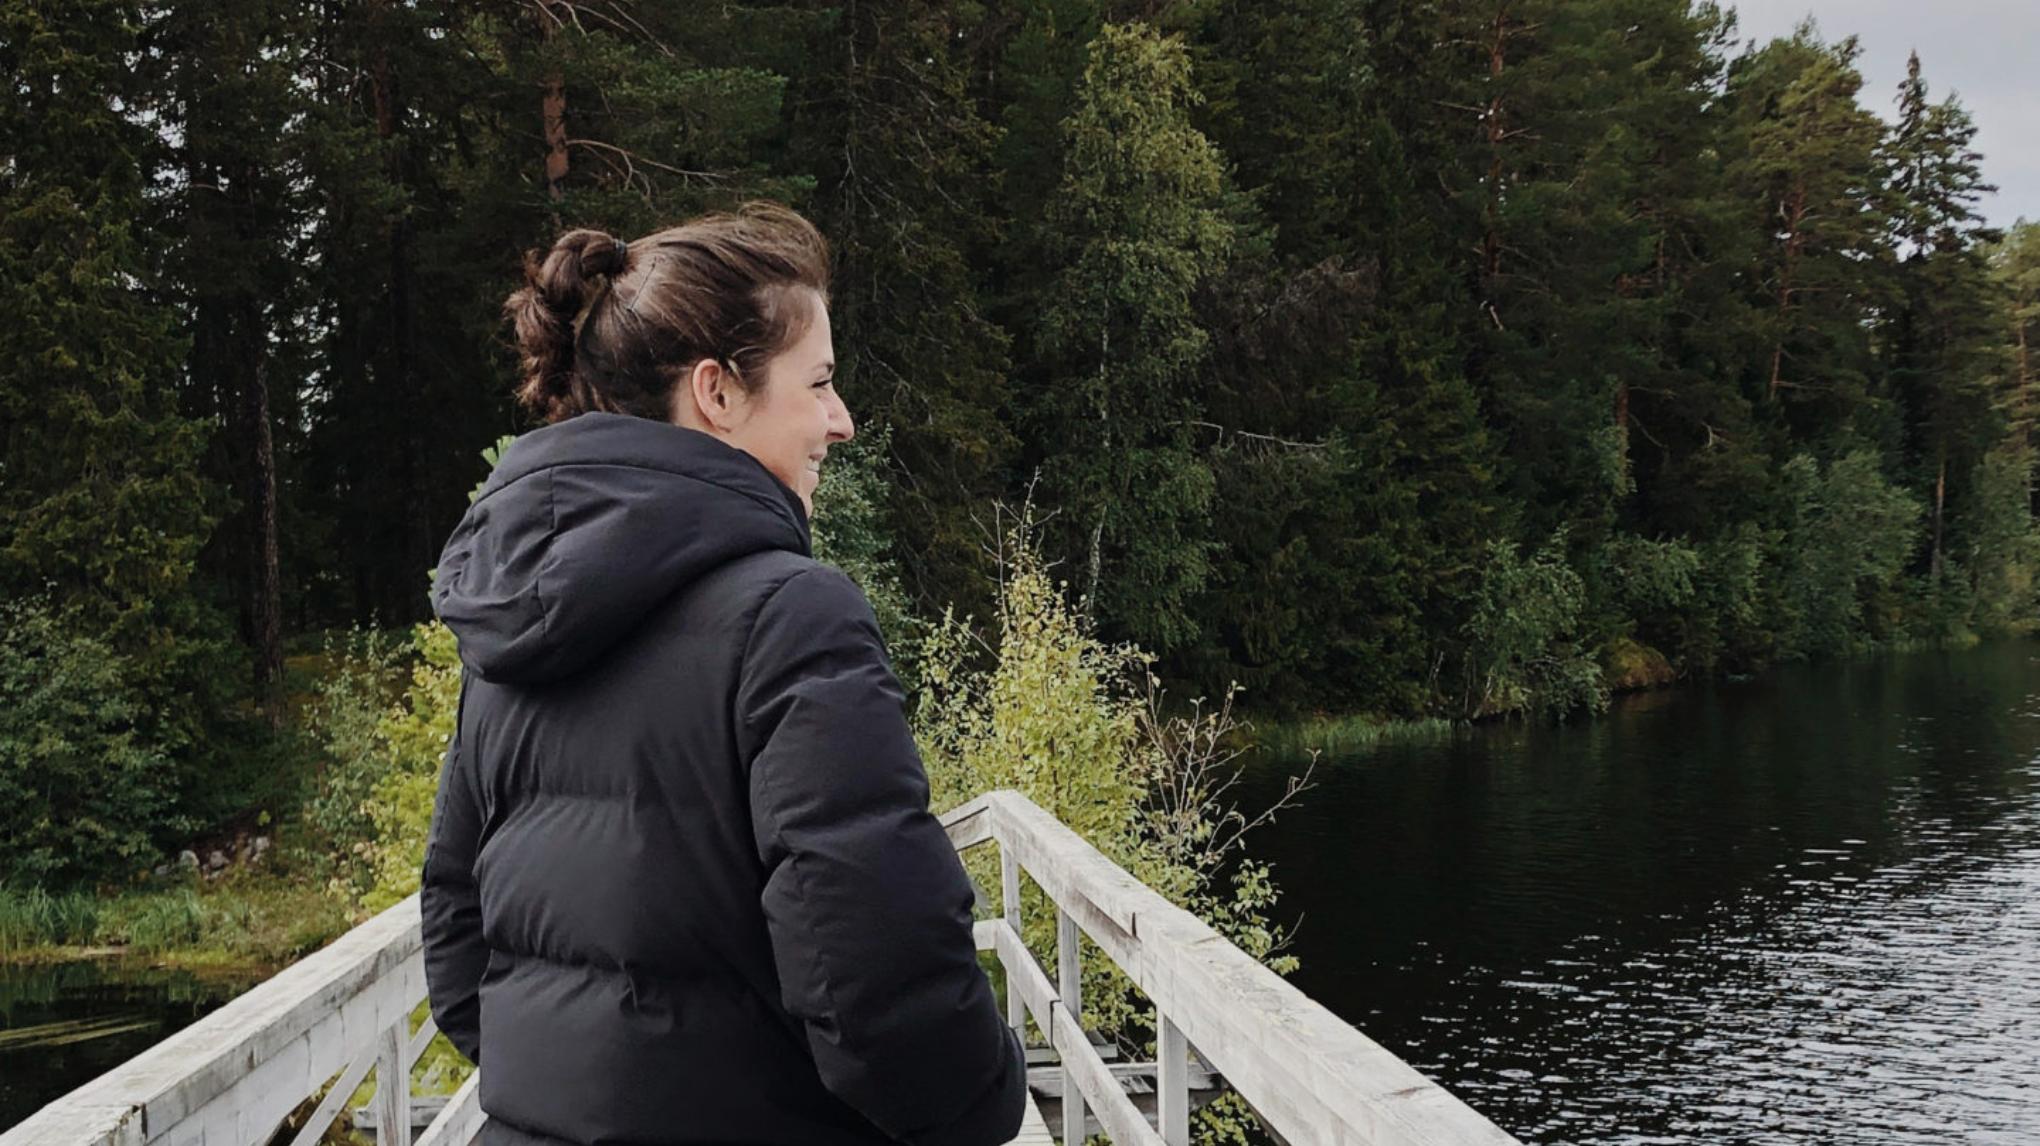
(62, 1025)
(1805, 909)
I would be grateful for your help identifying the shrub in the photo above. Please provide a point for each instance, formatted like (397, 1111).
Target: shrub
(1523, 637)
(413, 735)
(1725, 621)
(1075, 725)
(2002, 549)
(1848, 535)
(346, 711)
(84, 787)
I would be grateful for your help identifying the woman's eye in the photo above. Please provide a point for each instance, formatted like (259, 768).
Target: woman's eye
(825, 382)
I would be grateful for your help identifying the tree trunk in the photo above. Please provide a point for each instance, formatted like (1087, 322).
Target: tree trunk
(555, 136)
(1940, 501)
(1795, 215)
(1622, 423)
(258, 494)
(2022, 399)
(393, 375)
(1491, 238)
(553, 116)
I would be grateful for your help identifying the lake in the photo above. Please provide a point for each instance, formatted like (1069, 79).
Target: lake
(1801, 909)
(64, 1024)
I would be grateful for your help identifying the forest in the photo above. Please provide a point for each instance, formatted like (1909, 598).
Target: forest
(1419, 358)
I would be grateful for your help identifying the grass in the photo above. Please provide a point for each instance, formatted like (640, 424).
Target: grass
(249, 919)
(1338, 735)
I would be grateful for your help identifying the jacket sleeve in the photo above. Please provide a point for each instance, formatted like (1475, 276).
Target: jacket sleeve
(450, 909)
(866, 903)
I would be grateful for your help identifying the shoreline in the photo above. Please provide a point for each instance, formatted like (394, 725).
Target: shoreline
(1358, 731)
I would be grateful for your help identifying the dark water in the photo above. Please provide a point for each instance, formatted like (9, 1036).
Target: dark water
(1804, 909)
(64, 1024)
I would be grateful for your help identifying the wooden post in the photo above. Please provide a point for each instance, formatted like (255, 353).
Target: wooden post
(392, 1087)
(1172, 1081)
(1009, 893)
(1070, 985)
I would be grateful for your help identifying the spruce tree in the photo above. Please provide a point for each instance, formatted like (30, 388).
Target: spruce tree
(224, 73)
(1136, 228)
(101, 503)
(904, 162)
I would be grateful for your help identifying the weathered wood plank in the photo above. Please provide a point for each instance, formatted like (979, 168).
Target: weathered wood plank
(969, 824)
(1093, 1079)
(392, 1089)
(1009, 901)
(1121, 1119)
(1069, 974)
(461, 1120)
(1033, 1128)
(1172, 1082)
(1135, 1078)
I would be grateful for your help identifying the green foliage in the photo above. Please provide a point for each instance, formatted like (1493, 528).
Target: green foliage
(890, 127)
(100, 502)
(1302, 322)
(1848, 535)
(345, 718)
(2003, 551)
(415, 733)
(849, 533)
(1524, 652)
(35, 918)
(1345, 735)
(385, 717)
(265, 921)
(1070, 722)
(1648, 578)
(1803, 154)
(1137, 226)
(1724, 623)
(84, 786)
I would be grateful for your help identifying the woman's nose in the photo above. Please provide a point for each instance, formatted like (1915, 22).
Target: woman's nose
(841, 428)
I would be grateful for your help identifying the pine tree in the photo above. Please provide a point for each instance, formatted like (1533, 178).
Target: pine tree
(1803, 156)
(1943, 333)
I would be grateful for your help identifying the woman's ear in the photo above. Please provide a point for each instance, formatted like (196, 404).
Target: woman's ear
(712, 387)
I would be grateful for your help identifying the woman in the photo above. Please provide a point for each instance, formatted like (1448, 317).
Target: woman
(682, 884)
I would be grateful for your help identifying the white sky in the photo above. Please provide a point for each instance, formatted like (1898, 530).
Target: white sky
(1985, 51)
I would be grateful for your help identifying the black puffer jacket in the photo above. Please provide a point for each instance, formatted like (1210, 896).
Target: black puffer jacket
(682, 884)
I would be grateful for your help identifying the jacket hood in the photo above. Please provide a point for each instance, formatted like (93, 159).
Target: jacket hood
(589, 524)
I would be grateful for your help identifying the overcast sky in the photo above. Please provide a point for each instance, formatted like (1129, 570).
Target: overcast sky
(1985, 51)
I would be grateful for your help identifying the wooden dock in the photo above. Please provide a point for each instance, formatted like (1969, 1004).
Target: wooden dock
(328, 1023)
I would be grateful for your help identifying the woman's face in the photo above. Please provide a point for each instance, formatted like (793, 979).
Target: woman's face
(793, 419)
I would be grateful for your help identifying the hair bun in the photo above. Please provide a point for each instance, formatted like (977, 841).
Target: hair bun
(604, 255)
(556, 290)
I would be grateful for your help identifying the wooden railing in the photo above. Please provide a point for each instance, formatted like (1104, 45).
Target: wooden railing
(233, 1076)
(1309, 1076)
(336, 1016)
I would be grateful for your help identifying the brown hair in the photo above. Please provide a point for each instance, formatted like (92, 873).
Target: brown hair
(608, 325)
